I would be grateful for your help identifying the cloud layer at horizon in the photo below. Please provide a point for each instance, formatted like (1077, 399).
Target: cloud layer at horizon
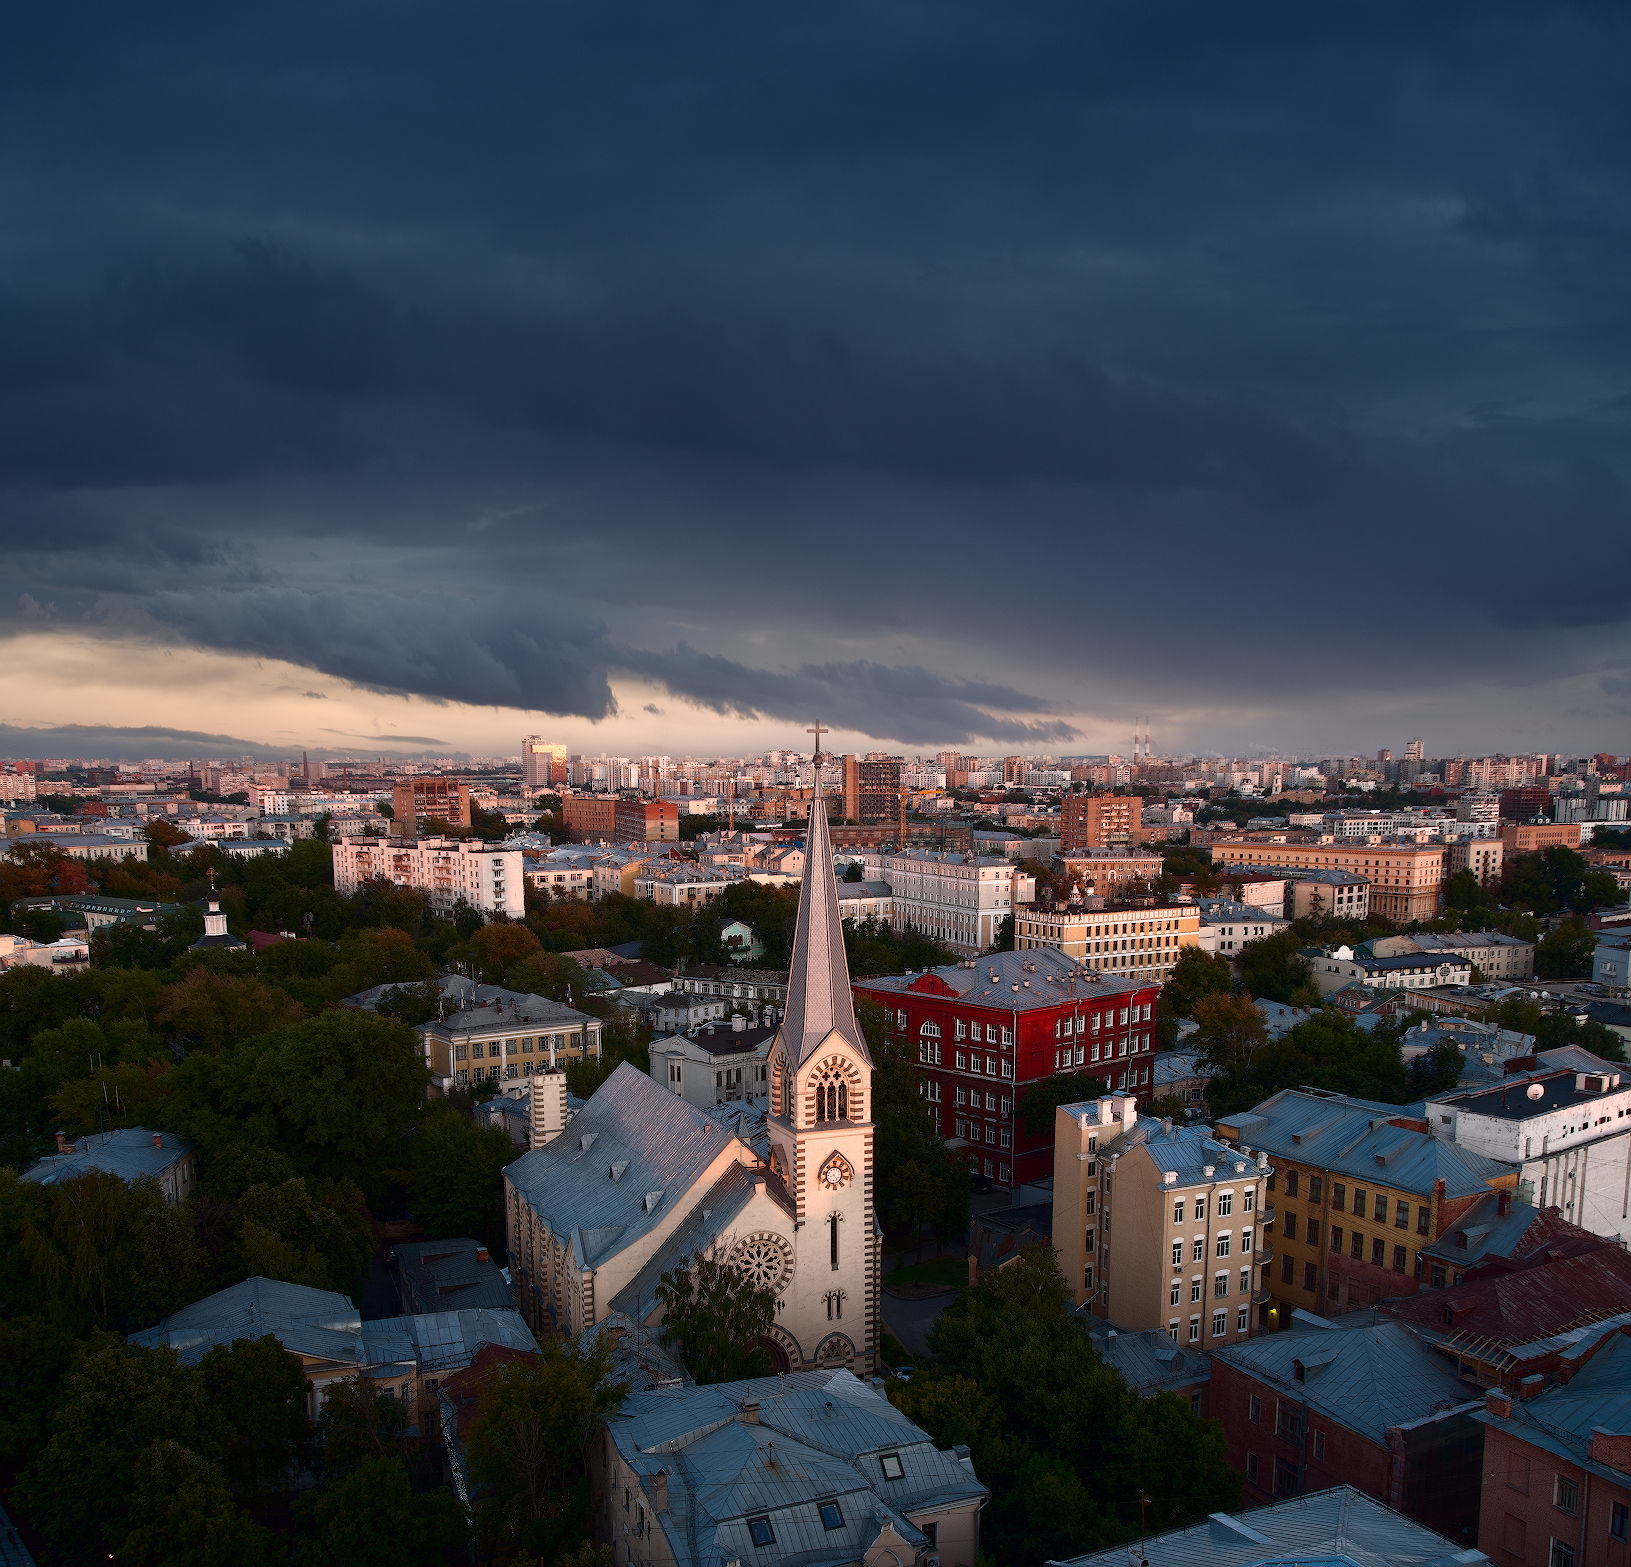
(948, 373)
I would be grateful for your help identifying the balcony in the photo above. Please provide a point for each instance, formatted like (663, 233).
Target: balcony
(1260, 1295)
(1263, 1254)
(1268, 1215)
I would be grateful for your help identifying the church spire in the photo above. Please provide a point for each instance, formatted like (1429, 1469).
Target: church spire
(819, 1000)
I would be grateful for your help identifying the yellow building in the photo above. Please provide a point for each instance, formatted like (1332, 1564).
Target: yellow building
(1159, 1226)
(1407, 879)
(1139, 940)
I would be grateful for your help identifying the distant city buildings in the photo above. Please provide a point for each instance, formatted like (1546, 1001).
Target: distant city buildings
(446, 871)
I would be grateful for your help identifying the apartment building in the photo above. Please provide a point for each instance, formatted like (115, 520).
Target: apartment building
(715, 1063)
(1227, 925)
(682, 883)
(1110, 872)
(504, 1034)
(872, 788)
(1407, 880)
(543, 764)
(590, 817)
(1359, 1189)
(1557, 1467)
(645, 821)
(1532, 837)
(985, 1029)
(1158, 1226)
(957, 899)
(1482, 856)
(1494, 955)
(1566, 1128)
(446, 871)
(1100, 821)
(1140, 940)
(416, 801)
(1335, 968)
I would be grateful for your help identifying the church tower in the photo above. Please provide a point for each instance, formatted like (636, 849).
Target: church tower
(820, 1129)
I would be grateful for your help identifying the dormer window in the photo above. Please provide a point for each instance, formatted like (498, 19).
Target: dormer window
(891, 1465)
(760, 1532)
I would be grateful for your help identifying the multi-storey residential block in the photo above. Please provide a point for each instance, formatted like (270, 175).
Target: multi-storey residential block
(590, 817)
(1335, 968)
(1407, 880)
(1227, 925)
(1567, 1128)
(1611, 962)
(1525, 803)
(1158, 1225)
(871, 789)
(645, 821)
(543, 765)
(985, 1029)
(1481, 856)
(416, 801)
(956, 899)
(1531, 837)
(1140, 939)
(1110, 872)
(1100, 821)
(1556, 1486)
(446, 870)
(715, 1063)
(1494, 955)
(682, 882)
(1359, 1190)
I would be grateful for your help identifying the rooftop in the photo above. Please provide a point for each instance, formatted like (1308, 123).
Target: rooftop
(133, 1154)
(1520, 1098)
(1335, 1528)
(441, 1275)
(1596, 1399)
(1031, 978)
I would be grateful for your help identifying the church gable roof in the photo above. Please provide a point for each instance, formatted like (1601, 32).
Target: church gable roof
(664, 1147)
(819, 1000)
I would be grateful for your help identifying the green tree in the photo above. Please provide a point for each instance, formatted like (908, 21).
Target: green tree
(1039, 1101)
(528, 1448)
(205, 1011)
(303, 1232)
(717, 1320)
(1565, 953)
(1195, 976)
(456, 1175)
(182, 1514)
(411, 1004)
(357, 1422)
(1229, 1032)
(1464, 891)
(372, 1517)
(256, 1393)
(1273, 969)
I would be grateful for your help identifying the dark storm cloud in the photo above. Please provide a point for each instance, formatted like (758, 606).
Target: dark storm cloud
(477, 355)
(131, 744)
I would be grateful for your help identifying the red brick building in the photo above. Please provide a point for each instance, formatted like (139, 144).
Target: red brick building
(986, 1029)
(646, 821)
(1557, 1467)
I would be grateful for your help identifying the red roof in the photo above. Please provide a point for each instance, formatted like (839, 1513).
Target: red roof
(1561, 1287)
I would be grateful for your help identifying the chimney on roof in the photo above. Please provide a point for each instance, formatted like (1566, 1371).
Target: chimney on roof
(1503, 1201)
(750, 1412)
(1498, 1402)
(483, 1255)
(64, 1145)
(158, 1139)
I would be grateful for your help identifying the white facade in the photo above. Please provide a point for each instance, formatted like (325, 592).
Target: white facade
(1568, 1130)
(715, 1064)
(67, 955)
(445, 870)
(956, 899)
(1226, 926)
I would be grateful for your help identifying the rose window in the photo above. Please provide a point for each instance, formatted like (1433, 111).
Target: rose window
(766, 1259)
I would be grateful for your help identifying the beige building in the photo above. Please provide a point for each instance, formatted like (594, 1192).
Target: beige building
(1110, 872)
(1139, 940)
(1407, 880)
(446, 870)
(1159, 1226)
(416, 801)
(1100, 821)
(1531, 837)
(1481, 856)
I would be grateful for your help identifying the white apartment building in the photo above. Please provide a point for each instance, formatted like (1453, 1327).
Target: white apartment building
(1496, 956)
(716, 1063)
(1567, 1127)
(563, 872)
(682, 883)
(1226, 926)
(956, 899)
(445, 870)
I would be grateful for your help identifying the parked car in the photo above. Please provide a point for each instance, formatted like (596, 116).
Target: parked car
(980, 1184)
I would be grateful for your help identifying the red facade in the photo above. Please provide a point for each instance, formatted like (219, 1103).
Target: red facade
(980, 1042)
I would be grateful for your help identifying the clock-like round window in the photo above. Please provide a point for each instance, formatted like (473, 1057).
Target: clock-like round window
(765, 1258)
(836, 1173)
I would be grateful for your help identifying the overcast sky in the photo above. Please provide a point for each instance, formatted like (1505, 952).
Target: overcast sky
(659, 375)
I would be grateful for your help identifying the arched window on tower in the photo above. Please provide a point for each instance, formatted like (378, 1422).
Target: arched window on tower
(832, 1096)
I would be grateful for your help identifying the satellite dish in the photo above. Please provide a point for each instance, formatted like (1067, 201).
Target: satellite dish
(1535, 1091)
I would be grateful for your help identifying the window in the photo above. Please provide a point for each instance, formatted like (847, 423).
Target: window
(760, 1532)
(1566, 1494)
(1316, 1188)
(1290, 1225)
(1245, 1242)
(1245, 1281)
(1251, 1466)
(1175, 1293)
(1194, 1330)
(1313, 1235)
(1177, 1254)
(1248, 1200)
(1220, 1284)
(1200, 1209)
(1243, 1319)
(1178, 1211)
(1356, 1246)
(1381, 1208)
(1619, 1520)
(1197, 1250)
(1286, 1265)
(1254, 1409)
(1378, 1253)
(1422, 1219)
(1336, 1237)
(1091, 1240)
(1288, 1420)
(1359, 1202)
(1339, 1196)
(1399, 1263)
(931, 1533)
(1220, 1323)
(1223, 1245)
(1310, 1276)
(1291, 1183)
(962, 1061)
(891, 1465)
(832, 1515)
(1319, 1444)
(1196, 1286)
(1401, 1214)
(1226, 1203)
(1561, 1554)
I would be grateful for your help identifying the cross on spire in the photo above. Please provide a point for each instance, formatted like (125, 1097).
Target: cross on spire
(818, 731)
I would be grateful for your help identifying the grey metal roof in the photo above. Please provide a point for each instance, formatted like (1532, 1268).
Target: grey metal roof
(452, 1273)
(666, 1142)
(1148, 1362)
(1336, 1526)
(129, 1153)
(317, 1323)
(819, 1436)
(1191, 1154)
(13, 1553)
(1354, 1137)
(1366, 1378)
(1045, 977)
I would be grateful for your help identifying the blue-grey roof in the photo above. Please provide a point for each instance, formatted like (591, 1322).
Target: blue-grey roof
(1339, 1526)
(1176, 1066)
(1279, 1019)
(315, 1323)
(1045, 977)
(667, 1145)
(1365, 1378)
(130, 1154)
(13, 1553)
(452, 1274)
(443, 1340)
(1354, 1137)
(1596, 1398)
(1190, 1153)
(1148, 1362)
(819, 1437)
